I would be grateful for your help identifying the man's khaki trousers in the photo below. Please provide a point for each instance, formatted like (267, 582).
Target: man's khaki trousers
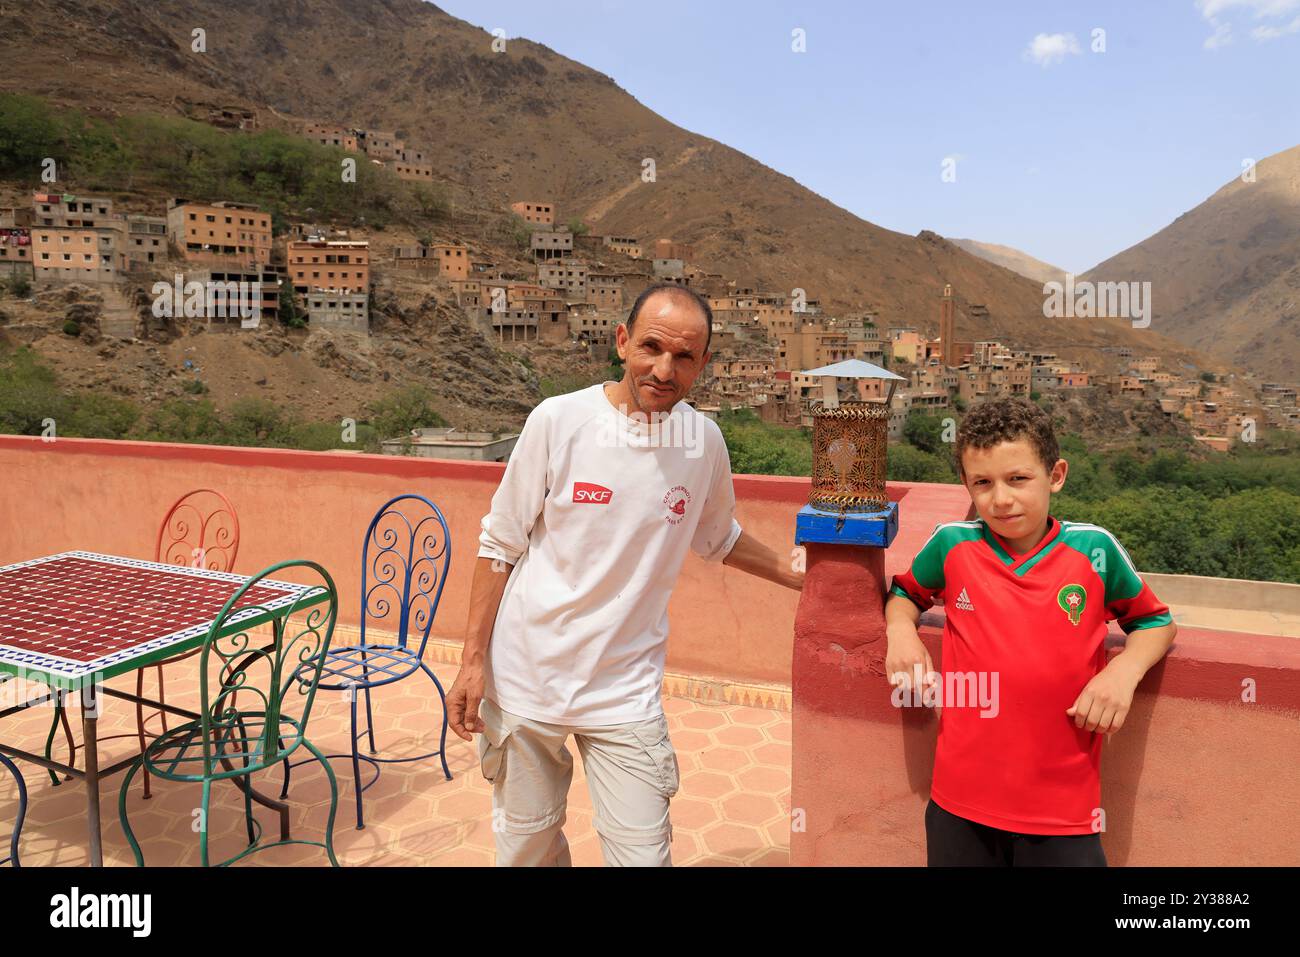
(631, 774)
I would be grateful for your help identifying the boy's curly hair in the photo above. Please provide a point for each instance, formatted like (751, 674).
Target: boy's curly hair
(1007, 420)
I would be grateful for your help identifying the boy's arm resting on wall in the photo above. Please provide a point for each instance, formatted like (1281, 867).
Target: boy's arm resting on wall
(907, 661)
(1104, 703)
(1144, 647)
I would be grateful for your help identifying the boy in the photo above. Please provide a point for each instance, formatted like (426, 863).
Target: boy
(1017, 782)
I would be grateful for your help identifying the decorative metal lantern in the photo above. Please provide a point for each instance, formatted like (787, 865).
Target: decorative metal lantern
(849, 442)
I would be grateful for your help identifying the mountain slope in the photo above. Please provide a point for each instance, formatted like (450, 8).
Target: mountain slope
(1226, 275)
(1020, 263)
(523, 124)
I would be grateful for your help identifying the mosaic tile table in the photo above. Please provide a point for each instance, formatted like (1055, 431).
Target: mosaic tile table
(70, 621)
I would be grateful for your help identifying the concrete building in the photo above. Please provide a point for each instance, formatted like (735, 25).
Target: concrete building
(226, 314)
(222, 232)
(329, 264)
(898, 410)
(1044, 378)
(593, 328)
(551, 244)
(452, 444)
(669, 270)
(567, 275)
(329, 135)
(974, 384)
(380, 145)
(414, 257)
(667, 249)
(76, 254)
(16, 242)
(469, 295)
(144, 243)
(552, 319)
(906, 345)
(810, 346)
(627, 245)
(517, 292)
(413, 172)
(66, 210)
(543, 214)
(346, 311)
(452, 260)
(516, 323)
(605, 290)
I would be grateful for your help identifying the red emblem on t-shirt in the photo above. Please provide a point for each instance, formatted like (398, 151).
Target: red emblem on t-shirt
(591, 493)
(675, 500)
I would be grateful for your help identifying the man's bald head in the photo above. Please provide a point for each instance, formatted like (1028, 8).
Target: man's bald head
(680, 295)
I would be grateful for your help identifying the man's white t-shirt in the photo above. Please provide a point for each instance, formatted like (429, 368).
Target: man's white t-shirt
(596, 511)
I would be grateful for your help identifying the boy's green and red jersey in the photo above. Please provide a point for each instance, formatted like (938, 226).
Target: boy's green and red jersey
(1038, 621)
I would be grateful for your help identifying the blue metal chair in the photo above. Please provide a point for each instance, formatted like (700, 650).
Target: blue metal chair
(22, 811)
(405, 557)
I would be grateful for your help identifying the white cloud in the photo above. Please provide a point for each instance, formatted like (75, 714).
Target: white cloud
(1272, 33)
(1048, 48)
(1221, 37)
(1272, 12)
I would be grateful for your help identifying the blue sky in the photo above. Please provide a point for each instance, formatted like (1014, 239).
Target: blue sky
(1068, 154)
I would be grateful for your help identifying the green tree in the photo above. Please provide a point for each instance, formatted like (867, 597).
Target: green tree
(29, 132)
(185, 420)
(925, 430)
(411, 407)
(288, 313)
(99, 416)
(29, 394)
(906, 463)
(259, 422)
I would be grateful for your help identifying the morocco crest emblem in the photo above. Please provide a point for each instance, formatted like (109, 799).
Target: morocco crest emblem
(1072, 598)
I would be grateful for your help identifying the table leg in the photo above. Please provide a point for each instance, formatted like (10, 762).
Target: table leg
(89, 725)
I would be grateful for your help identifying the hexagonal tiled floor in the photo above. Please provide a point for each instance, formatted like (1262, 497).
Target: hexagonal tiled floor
(732, 809)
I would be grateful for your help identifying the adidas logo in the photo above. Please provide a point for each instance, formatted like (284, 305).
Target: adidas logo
(964, 602)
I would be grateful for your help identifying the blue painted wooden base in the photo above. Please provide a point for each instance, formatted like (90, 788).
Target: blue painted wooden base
(876, 529)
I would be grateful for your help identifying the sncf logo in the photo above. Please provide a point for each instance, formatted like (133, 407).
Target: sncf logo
(590, 492)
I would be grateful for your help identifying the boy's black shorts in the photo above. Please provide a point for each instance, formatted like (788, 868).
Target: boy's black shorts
(952, 841)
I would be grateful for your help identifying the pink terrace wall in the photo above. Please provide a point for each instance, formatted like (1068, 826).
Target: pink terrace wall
(110, 496)
(1196, 776)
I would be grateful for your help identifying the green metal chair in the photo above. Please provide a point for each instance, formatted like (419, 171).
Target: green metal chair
(277, 684)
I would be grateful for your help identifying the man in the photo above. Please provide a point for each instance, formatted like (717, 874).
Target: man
(605, 491)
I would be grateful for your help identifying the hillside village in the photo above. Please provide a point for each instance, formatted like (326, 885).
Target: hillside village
(571, 288)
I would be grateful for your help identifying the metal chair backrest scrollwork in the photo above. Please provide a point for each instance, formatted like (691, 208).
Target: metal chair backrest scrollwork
(405, 557)
(201, 530)
(404, 561)
(256, 692)
(291, 661)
